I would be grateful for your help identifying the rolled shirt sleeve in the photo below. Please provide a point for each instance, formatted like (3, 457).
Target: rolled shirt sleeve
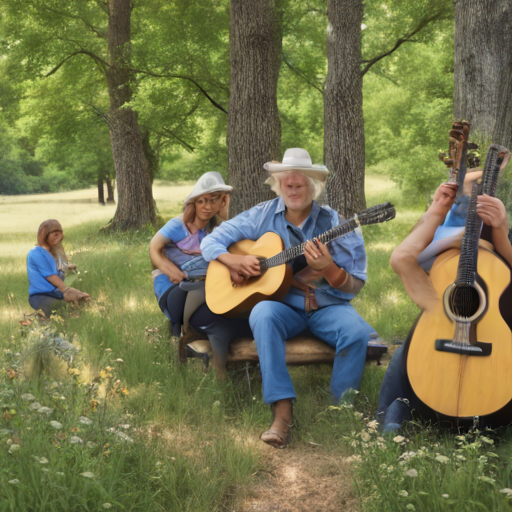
(246, 225)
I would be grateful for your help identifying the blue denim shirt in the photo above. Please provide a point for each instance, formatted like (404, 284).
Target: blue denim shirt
(347, 251)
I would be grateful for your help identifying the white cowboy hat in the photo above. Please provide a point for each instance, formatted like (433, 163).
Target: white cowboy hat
(297, 159)
(209, 182)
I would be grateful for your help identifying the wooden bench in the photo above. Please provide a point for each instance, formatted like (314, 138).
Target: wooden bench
(301, 350)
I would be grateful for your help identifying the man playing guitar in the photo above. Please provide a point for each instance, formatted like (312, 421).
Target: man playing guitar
(418, 248)
(327, 278)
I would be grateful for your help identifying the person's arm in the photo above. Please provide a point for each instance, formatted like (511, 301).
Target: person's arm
(492, 212)
(70, 294)
(159, 261)
(404, 260)
(319, 258)
(243, 226)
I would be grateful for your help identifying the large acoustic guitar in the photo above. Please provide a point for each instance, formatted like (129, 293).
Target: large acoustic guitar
(459, 357)
(276, 277)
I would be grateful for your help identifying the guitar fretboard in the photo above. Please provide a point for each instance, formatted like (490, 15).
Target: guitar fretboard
(466, 271)
(297, 250)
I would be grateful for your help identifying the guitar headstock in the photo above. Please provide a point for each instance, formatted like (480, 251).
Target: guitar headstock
(378, 213)
(457, 151)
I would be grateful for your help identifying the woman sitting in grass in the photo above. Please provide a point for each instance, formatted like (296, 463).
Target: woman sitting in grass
(47, 265)
(175, 245)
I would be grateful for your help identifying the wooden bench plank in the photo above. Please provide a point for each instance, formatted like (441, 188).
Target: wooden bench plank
(300, 350)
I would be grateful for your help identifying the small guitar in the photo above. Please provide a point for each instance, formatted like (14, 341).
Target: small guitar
(276, 277)
(459, 358)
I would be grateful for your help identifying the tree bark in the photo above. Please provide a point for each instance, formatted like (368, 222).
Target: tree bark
(254, 129)
(136, 207)
(101, 192)
(483, 68)
(343, 107)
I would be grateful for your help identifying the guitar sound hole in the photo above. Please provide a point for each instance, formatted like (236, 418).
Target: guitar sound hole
(464, 301)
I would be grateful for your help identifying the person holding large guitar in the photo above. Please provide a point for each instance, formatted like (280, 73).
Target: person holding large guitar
(396, 396)
(327, 278)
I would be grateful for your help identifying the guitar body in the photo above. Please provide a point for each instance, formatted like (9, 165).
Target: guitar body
(455, 385)
(273, 284)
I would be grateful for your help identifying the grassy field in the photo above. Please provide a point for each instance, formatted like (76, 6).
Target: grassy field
(120, 425)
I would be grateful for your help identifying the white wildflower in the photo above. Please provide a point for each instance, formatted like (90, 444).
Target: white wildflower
(14, 481)
(354, 458)
(75, 440)
(28, 397)
(91, 444)
(407, 455)
(487, 440)
(59, 473)
(87, 474)
(445, 496)
(126, 426)
(487, 479)
(442, 458)
(399, 439)
(124, 437)
(410, 506)
(35, 406)
(56, 424)
(365, 436)
(413, 473)
(507, 492)
(107, 505)
(14, 448)
(372, 425)
(404, 494)
(45, 410)
(390, 468)
(84, 420)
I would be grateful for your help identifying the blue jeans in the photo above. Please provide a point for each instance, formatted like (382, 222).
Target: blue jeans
(46, 303)
(340, 326)
(394, 397)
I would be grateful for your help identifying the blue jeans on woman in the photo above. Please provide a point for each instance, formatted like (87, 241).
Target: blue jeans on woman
(47, 302)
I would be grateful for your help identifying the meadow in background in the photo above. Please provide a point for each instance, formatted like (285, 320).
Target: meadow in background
(120, 425)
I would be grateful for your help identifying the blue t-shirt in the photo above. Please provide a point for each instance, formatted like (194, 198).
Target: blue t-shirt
(183, 246)
(40, 265)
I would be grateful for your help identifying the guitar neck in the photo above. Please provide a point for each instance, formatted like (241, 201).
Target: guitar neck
(297, 250)
(469, 249)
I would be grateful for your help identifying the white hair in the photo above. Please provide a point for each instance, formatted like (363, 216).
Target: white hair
(315, 186)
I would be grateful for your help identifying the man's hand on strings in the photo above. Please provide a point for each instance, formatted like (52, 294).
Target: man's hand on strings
(241, 267)
(317, 254)
(492, 212)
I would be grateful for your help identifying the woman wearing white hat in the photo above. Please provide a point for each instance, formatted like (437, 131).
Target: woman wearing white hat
(175, 245)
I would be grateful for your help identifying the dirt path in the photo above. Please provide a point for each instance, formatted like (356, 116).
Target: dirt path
(302, 479)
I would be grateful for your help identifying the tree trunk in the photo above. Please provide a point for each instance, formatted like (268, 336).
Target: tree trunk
(101, 192)
(343, 107)
(483, 68)
(136, 207)
(110, 191)
(254, 129)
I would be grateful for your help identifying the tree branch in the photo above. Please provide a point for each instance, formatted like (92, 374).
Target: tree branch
(301, 74)
(84, 52)
(99, 113)
(100, 33)
(407, 38)
(187, 146)
(183, 77)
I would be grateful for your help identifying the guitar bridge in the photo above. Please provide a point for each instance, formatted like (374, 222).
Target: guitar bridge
(464, 349)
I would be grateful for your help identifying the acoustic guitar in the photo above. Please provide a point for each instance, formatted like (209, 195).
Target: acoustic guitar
(276, 277)
(459, 357)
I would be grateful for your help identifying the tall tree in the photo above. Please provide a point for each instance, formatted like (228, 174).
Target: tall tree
(483, 68)
(136, 206)
(343, 107)
(254, 129)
